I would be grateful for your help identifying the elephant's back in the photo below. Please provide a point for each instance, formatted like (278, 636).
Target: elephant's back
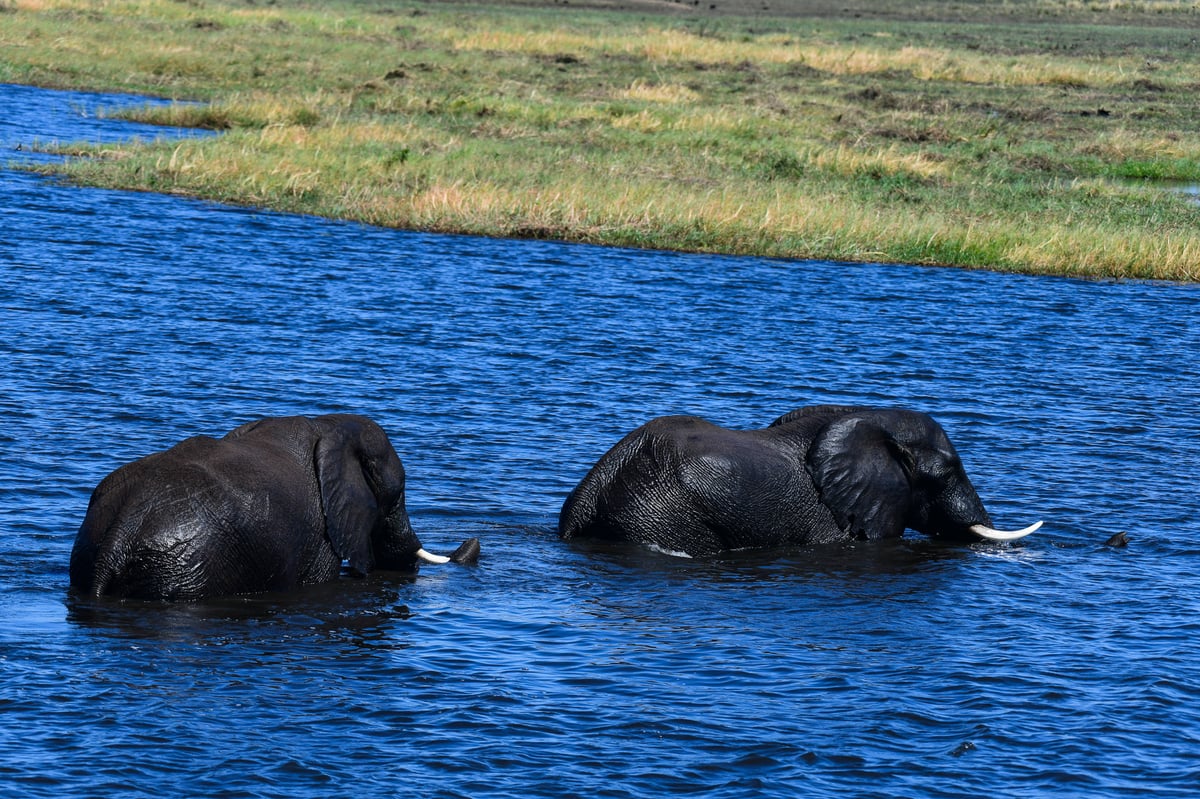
(746, 488)
(192, 521)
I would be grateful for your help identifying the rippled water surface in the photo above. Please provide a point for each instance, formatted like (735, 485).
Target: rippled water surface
(502, 370)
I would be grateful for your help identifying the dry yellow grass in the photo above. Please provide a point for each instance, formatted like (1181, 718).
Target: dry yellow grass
(943, 142)
(870, 55)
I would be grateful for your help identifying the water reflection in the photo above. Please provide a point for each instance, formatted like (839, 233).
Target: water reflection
(359, 609)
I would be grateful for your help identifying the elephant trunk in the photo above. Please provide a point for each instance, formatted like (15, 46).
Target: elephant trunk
(401, 549)
(466, 554)
(960, 514)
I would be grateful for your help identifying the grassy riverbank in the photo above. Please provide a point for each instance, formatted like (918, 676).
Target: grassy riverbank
(1029, 135)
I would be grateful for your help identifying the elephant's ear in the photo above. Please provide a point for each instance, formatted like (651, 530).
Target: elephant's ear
(348, 502)
(860, 474)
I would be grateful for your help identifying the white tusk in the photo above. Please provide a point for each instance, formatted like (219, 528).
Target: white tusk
(429, 557)
(984, 531)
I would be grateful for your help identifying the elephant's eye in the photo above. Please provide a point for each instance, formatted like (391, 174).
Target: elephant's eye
(942, 463)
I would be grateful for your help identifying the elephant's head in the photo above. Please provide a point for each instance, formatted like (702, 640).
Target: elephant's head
(881, 471)
(361, 481)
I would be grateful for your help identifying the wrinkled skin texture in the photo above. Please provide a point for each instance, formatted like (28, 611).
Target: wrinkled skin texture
(816, 475)
(273, 505)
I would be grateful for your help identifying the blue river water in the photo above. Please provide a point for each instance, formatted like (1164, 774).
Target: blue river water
(501, 370)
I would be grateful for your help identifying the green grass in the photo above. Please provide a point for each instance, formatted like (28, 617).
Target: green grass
(1025, 136)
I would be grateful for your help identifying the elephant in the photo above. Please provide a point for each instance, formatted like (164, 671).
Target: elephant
(819, 474)
(275, 504)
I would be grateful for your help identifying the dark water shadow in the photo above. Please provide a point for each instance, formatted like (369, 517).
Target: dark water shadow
(348, 605)
(851, 561)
